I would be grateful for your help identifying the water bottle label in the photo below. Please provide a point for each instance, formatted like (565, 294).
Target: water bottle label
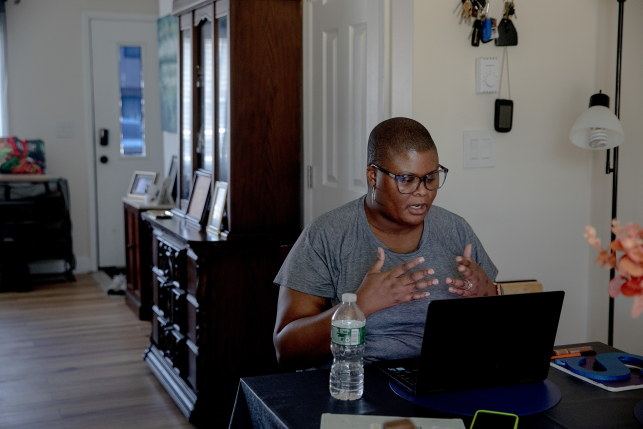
(347, 336)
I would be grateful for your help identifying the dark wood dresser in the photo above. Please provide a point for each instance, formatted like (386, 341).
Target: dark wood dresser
(240, 73)
(214, 312)
(138, 257)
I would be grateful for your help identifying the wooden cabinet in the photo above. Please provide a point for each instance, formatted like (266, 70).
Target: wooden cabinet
(138, 257)
(240, 107)
(214, 309)
(214, 301)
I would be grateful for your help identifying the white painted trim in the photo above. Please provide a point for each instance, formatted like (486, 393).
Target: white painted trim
(402, 58)
(88, 96)
(307, 106)
(83, 265)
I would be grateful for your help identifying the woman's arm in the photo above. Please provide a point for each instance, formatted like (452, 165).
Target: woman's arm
(302, 329)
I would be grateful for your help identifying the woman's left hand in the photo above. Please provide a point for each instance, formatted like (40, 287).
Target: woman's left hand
(476, 284)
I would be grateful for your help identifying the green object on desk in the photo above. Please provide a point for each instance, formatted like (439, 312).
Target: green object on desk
(484, 419)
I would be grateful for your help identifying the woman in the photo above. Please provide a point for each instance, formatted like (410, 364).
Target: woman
(388, 247)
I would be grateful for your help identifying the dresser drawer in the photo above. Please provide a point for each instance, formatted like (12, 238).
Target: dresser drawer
(192, 274)
(160, 328)
(157, 281)
(177, 352)
(193, 319)
(178, 314)
(170, 262)
(193, 355)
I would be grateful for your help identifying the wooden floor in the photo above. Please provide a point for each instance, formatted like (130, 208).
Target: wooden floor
(71, 357)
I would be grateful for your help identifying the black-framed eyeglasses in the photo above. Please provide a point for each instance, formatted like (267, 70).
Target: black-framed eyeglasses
(409, 183)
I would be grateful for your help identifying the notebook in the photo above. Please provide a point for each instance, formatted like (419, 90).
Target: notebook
(481, 342)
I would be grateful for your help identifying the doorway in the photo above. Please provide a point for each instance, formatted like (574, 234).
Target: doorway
(124, 130)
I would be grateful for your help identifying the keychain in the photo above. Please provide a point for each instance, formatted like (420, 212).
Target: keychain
(486, 25)
(464, 9)
(507, 34)
(476, 33)
(476, 29)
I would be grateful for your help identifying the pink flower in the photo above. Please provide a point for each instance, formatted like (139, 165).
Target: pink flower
(629, 281)
(590, 235)
(637, 308)
(614, 287)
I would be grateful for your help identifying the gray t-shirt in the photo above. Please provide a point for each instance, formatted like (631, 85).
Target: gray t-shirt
(336, 250)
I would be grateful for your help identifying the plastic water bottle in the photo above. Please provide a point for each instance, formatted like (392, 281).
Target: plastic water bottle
(347, 345)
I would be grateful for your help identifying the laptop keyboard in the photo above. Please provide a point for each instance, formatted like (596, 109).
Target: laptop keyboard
(407, 375)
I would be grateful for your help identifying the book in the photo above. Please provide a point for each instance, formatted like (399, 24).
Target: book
(350, 421)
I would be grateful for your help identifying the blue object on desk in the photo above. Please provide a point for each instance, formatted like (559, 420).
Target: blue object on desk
(520, 399)
(613, 366)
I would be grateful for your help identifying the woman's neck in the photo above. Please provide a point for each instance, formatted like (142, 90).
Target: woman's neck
(398, 238)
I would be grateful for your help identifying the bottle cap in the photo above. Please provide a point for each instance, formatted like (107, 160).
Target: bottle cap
(349, 297)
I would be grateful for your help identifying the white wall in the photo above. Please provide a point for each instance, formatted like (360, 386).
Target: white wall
(170, 140)
(531, 209)
(45, 78)
(628, 332)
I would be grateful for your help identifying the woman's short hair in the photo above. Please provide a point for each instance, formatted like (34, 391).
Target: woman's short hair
(397, 135)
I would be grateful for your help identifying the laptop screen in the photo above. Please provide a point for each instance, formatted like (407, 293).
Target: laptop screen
(483, 342)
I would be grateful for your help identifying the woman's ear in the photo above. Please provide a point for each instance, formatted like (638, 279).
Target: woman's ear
(371, 176)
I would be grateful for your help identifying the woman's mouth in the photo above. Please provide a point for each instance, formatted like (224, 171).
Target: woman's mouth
(418, 209)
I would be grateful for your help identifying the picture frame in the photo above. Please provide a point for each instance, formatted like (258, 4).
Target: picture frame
(197, 208)
(141, 180)
(218, 208)
(168, 191)
(173, 174)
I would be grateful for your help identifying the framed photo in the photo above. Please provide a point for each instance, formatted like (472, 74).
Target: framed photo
(173, 174)
(141, 180)
(197, 208)
(218, 207)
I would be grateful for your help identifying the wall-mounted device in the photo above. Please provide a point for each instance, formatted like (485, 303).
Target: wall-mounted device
(503, 118)
(487, 75)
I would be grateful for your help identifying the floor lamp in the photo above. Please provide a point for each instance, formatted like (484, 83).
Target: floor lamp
(599, 129)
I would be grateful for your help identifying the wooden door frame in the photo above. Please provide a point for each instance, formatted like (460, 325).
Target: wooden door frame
(393, 81)
(90, 133)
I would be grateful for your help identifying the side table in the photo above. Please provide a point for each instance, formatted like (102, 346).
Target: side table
(138, 257)
(35, 225)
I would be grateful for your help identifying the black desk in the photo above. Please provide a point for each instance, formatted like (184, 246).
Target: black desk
(297, 400)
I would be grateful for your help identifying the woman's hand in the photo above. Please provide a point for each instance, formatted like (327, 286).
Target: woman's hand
(476, 284)
(380, 290)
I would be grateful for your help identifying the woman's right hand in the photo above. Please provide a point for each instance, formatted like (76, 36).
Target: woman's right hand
(380, 290)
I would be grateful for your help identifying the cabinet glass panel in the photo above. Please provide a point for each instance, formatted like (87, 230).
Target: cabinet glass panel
(186, 109)
(132, 105)
(223, 102)
(207, 113)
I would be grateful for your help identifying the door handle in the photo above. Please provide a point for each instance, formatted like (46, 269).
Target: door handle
(104, 136)
(104, 159)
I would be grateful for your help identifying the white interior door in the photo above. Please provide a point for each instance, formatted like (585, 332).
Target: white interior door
(345, 88)
(126, 103)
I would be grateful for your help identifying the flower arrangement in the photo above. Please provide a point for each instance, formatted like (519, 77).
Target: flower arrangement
(629, 278)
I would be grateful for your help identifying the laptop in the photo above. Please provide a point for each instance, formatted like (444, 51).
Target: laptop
(481, 342)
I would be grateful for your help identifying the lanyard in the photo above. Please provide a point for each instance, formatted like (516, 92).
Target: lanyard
(502, 68)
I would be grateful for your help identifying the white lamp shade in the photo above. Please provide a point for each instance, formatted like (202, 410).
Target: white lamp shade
(597, 117)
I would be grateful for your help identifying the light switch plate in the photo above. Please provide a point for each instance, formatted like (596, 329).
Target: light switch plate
(479, 149)
(487, 75)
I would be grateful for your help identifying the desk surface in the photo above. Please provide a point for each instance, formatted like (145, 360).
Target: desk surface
(26, 178)
(297, 400)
